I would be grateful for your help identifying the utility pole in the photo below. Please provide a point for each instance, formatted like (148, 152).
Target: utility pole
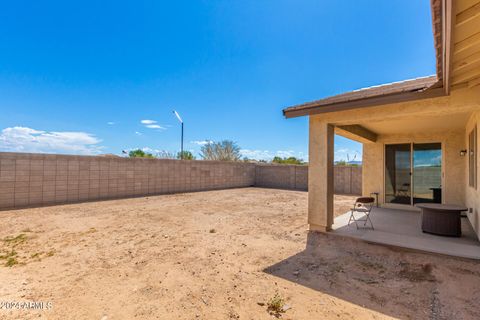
(181, 122)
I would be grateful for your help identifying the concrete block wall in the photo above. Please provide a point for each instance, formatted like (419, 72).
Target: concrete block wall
(44, 179)
(347, 180)
(28, 180)
(301, 178)
(282, 176)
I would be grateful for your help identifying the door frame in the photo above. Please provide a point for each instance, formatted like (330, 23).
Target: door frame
(420, 141)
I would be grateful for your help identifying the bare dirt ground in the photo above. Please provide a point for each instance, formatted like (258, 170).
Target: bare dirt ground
(217, 255)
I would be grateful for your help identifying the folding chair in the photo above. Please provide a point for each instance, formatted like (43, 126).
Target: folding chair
(363, 205)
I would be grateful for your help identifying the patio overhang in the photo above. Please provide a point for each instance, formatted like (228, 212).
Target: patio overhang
(356, 132)
(371, 130)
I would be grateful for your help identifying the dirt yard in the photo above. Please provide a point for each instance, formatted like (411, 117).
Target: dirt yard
(216, 255)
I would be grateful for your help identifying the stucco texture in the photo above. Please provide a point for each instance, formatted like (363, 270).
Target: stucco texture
(446, 119)
(473, 194)
(453, 165)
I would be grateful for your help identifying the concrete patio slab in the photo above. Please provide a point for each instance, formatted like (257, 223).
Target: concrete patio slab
(402, 228)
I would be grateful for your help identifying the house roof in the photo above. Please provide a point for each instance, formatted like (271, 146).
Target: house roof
(371, 96)
(437, 29)
(413, 89)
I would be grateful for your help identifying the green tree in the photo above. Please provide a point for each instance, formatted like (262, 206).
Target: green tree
(186, 155)
(225, 150)
(289, 160)
(139, 153)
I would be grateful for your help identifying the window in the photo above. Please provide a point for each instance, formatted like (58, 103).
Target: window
(472, 158)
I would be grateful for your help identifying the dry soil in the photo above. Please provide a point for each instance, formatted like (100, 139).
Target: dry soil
(217, 255)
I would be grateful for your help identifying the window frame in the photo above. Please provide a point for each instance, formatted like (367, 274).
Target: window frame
(472, 158)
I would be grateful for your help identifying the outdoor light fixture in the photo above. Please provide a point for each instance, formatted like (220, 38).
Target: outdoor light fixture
(463, 153)
(181, 121)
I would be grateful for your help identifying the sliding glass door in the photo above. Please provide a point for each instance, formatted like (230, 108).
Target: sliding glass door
(413, 173)
(427, 173)
(397, 173)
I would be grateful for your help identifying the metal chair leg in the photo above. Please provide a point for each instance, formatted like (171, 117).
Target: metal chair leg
(368, 219)
(351, 217)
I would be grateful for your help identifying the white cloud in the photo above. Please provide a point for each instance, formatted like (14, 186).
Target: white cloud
(150, 150)
(201, 142)
(286, 153)
(23, 139)
(257, 154)
(152, 124)
(269, 155)
(155, 126)
(138, 133)
(110, 123)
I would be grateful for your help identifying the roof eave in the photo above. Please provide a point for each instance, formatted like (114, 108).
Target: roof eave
(432, 92)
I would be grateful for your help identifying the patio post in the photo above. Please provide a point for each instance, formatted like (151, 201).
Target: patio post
(320, 175)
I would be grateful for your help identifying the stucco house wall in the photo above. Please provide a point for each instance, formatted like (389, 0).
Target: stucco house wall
(453, 165)
(472, 194)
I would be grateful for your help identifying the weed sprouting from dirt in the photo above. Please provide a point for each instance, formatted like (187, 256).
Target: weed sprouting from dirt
(14, 241)
(275, 306)
(36, 255)
(8, 255)
(9, 246)
(11, 262)
(13, 250)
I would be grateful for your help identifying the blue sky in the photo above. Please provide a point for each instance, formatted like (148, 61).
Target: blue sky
(80, 76)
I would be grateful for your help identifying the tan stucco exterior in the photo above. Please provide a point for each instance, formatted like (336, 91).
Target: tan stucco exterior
(412, 111)
(453, 176)
(472, 195)
(320, 176)
(446, 119)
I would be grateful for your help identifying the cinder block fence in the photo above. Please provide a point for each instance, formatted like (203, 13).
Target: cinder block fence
(44, 179)
(282, 177)
(347, 180)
